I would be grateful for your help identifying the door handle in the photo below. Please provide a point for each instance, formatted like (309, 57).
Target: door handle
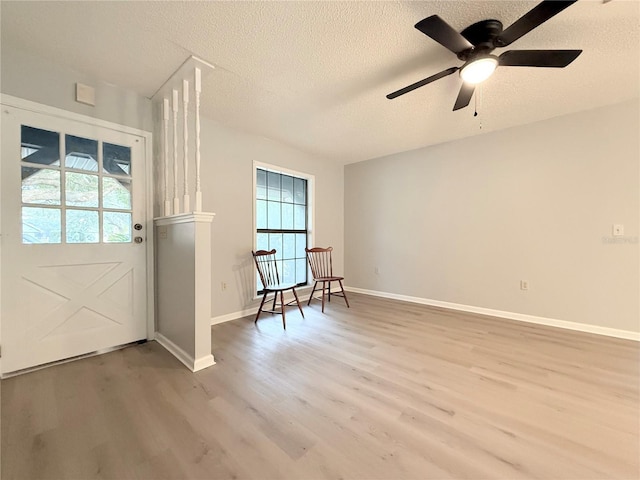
(138, 240)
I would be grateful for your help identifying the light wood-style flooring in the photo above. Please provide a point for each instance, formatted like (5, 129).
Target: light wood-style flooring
(384, 390)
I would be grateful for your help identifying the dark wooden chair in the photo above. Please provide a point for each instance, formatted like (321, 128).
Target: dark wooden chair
(268, 271)
(322, 271)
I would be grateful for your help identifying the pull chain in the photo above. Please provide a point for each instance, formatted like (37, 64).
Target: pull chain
(475, 102)
(477, 94)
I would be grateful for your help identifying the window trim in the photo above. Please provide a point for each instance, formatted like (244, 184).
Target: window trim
(311, 192)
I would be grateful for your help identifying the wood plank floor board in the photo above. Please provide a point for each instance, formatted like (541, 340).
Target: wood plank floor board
(383, 390)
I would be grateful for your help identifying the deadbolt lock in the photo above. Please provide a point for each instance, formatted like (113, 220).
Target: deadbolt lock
(137, 226)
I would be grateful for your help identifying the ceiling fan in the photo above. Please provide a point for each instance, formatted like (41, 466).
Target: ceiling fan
(475, 43)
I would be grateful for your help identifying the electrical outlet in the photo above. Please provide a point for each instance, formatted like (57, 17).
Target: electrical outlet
(223, 286)
(524, 285)
(376, 270)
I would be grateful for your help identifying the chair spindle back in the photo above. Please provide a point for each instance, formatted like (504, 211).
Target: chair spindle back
(320, 262)
(267, 267)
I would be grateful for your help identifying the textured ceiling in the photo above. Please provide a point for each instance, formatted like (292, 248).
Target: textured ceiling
(314, 75)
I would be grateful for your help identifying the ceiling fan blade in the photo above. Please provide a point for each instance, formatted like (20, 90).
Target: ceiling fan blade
(464, 97)
(443, 33)
(532, 19)
(419, 84)
(538, 58)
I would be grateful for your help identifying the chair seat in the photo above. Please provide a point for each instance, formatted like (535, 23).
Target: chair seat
(280, 287)
(328, 279)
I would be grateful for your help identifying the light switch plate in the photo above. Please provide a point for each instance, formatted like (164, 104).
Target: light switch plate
(618, 230)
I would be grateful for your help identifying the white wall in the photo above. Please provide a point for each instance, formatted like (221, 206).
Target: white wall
(464, 222)
(175, 285)
(45, 81)
(227, 185)
(461, 222)
(227, 168)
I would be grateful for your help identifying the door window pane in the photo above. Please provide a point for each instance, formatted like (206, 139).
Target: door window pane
(81, 162)
(41, 225)
(82, 226)
(81, 190)
(81, 153)
(116, 193)
(38, 146)
(116, 227)
(116, 159)
(40, 186)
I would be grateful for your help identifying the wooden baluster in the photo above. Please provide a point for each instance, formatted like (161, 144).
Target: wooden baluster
(165, 117)
(198, 89)
(185, 159)
(176, 200)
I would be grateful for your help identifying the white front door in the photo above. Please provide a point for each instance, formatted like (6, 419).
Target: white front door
(74, 277)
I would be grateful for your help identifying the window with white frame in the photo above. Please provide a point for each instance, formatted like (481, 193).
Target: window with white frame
(85, 198)
(282, 222)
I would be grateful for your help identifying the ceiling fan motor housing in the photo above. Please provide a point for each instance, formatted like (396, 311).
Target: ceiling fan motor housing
(484, 36)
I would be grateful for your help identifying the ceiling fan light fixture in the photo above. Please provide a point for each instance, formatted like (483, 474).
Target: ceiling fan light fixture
(479, 70)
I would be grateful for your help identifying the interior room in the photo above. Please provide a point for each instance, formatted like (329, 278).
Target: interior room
(485, 231)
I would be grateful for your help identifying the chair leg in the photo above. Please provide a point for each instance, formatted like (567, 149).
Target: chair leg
(312, 291)
(284, 323)
(297, 301)
(344, 294)
(323, 289)
(264, 297)
(275, 297)
(329, 291)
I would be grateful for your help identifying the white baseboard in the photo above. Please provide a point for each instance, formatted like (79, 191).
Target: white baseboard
(521, 317)
(233, 316)
(193, 364)
(253, 310)
(203, 362)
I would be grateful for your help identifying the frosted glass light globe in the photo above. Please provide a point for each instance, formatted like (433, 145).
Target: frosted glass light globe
(479, 70)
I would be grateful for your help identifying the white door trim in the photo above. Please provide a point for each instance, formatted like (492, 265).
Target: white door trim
(147, 137)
